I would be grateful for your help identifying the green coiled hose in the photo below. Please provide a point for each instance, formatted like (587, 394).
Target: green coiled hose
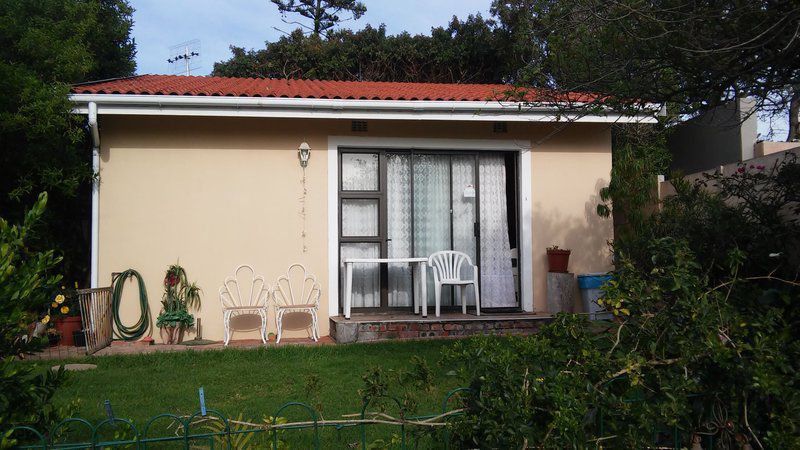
(130, 333)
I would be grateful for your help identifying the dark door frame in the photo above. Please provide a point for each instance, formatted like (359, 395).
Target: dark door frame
(382, 238)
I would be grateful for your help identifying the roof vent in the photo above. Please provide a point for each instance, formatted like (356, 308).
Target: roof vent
(358, 125)
(500, 127)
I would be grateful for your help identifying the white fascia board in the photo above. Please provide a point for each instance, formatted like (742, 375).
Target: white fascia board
(486, 111)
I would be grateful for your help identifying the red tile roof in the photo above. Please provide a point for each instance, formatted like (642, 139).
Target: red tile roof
(291, 88)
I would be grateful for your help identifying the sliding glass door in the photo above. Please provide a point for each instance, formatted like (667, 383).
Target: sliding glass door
(402, 203)
(362, 231)
(498, 284)
(444, 208)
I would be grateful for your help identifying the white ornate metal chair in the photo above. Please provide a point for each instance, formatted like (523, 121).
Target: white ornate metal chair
(242, 293)
(446, 267)
(297, 291)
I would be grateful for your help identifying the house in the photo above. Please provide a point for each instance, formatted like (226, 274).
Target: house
(723, 135)
(205, 171)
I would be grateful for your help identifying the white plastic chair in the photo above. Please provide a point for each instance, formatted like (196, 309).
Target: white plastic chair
(446, 267)
(242, 293)
(297, 291)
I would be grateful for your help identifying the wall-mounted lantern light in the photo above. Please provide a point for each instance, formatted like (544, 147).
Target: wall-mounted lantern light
(304, 153)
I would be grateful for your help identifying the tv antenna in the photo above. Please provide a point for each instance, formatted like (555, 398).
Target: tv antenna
(184, 57)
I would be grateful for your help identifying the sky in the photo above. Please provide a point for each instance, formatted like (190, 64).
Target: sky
(218, 24)
(161, 24)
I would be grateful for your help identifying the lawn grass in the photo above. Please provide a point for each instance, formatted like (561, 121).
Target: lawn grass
(253, 383)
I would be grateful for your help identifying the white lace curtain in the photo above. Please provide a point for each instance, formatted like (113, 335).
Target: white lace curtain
(497, 277)
(398, 197)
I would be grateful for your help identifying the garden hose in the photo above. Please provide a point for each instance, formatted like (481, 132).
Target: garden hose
(130, 333)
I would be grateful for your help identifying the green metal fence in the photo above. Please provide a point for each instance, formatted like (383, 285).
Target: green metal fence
(211, 429)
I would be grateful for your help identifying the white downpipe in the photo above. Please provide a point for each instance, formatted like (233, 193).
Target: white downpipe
(93, 126)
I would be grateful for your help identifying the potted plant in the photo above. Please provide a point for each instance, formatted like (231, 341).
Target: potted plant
(557, 259)
(53, 336)
(179, 297)
(65, 314)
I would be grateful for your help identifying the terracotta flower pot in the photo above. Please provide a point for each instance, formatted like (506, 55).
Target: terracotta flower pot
(558, 259)
(172, 335)
(66, 326)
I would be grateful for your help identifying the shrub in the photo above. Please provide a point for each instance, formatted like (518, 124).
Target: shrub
(704, 337)
(528, 388)
(755, 210)
(28, 282)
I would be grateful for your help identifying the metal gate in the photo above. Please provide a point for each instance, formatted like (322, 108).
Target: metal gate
(96, 317)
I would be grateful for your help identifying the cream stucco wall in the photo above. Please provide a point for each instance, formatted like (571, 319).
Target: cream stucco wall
(765, 148)
(567, 173)
(213, 193)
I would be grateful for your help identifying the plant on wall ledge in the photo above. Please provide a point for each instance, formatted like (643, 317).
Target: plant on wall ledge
(179, 297)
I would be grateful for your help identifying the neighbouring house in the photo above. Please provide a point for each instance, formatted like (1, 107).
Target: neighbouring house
(723, 135)
(205, 171)
(768, 158)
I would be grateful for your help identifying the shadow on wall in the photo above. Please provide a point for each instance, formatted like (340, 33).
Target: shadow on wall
(588, 236)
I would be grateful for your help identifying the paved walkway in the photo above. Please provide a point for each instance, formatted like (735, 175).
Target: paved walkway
(134, 348)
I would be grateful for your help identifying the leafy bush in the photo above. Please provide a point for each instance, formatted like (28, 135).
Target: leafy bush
(175, 318)
(755, 210)
(530, 389)
(704, 338)
(27, 283)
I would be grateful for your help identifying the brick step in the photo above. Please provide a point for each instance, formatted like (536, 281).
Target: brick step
(374, 329)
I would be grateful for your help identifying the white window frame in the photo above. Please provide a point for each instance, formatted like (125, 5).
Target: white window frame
(522, 147)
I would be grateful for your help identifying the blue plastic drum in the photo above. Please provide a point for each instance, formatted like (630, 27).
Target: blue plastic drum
(590, 284)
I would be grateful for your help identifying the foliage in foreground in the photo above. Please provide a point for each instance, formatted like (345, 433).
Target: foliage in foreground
(704, 336)
(27, 282)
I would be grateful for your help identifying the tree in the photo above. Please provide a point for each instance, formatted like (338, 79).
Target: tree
(639, 154)
(324, 14)
(462, 52)
(794, 115)
(690, 55)
(45, 46)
